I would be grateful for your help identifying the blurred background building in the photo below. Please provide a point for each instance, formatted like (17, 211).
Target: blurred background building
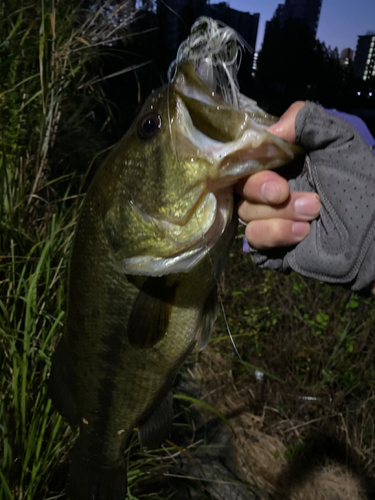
(364, 62)
(309, 10)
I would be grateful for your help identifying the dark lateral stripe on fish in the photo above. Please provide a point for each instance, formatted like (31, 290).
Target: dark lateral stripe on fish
(98, 429)
(111, 356)
(114, 343)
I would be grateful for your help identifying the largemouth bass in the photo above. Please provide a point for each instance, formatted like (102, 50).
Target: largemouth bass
(152, 238)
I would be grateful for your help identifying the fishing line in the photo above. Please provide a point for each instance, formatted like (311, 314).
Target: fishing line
(174, 149)
(228, 330)
(215, 50)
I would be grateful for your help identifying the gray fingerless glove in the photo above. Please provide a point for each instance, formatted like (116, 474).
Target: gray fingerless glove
(340, 167)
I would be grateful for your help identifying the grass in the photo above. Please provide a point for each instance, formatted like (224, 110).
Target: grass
(34, 437)
(33, 244)
(314, 345)
(314, 337)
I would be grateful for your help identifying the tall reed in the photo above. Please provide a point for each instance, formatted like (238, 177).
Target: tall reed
(48, 55)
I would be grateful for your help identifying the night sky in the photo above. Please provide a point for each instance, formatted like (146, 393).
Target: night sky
(340, 23)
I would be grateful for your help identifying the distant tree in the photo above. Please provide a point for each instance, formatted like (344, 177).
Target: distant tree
(284, 63)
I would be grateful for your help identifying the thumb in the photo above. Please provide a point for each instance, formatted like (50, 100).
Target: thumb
(285, 127)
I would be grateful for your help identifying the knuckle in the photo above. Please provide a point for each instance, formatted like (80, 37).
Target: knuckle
(280, 233)
(259, 233)
(255, 233)
(242, 210)
(263, 234)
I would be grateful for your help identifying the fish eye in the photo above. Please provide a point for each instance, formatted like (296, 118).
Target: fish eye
(149, 125)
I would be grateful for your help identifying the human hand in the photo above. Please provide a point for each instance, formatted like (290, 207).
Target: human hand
(339, 166)
(274, 216)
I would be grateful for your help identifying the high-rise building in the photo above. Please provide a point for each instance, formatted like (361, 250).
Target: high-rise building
(364, 61)
(300, 9)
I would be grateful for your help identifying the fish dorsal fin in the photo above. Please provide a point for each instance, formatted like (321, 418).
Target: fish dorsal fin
(158, 426)
(149, 317)
(208, 317)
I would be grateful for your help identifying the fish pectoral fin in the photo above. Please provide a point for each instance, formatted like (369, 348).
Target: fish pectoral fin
(149, 317)
(157, 427)
(208, 317)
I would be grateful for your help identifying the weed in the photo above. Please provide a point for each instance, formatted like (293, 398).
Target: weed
(47, 49)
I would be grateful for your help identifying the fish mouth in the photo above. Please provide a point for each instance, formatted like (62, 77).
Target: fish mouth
(209, 113)
(235, 141)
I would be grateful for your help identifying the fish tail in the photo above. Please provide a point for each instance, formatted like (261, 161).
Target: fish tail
(91, 481)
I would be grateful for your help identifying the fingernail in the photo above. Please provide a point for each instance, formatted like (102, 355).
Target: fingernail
(300, 229)
(270, 191)
(307, 206)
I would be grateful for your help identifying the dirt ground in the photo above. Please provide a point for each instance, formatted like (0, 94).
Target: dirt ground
(261, 444)
(300, 398)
